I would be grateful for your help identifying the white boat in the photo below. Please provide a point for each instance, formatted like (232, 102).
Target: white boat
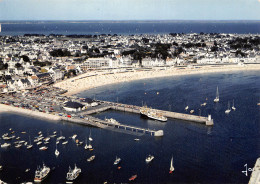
(233, 106)
(191, 111)
(38, 143)
(1, 167)
(117, 160)
(18, 145)
(149, 158)
(151, 113)
(56, 151)
(217, 96)
(171, 166)
(90, 138)
(186, 108)
(65, 142)
(112, 121)
(73, 174)
(74, 136)
(91, 158)
(41, 173)
(30, 145)
(228, 110)
(43, 148)
(2, 182)
(136, 139)
(204, 104)
(5, 145)
(27, 170)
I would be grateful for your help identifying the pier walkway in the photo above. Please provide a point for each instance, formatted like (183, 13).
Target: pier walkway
(136, 109)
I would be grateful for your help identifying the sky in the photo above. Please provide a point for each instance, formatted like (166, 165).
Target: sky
(129, 9)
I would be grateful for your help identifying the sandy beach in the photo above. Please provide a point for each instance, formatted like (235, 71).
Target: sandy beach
(96, 79)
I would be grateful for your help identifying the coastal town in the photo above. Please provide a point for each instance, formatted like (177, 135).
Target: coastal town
(30, 61)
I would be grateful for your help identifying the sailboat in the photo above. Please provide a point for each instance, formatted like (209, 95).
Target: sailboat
(90, 138)
(217, 96)
(30, 145)
(171, 167)
(233, 106)
(56, 151)
(228, 110)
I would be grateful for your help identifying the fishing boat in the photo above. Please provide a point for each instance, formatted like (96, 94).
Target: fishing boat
(149, 158)
(228, 110)
(41, 173)
(117, 160)
(73, 174)
(217, 96)
(132, 178)
(112, 121)
(91, 158)
(233, 106)
(171, 166)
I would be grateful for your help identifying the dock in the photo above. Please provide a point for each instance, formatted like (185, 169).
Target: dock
(136, 109)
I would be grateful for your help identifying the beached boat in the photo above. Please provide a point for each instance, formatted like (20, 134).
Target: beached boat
(73, 174)
(217, 96)
(132, 178)
(228, 110)
(91, 158)
(171, 166)
(117, 160)
(41, 173)
(149, 158)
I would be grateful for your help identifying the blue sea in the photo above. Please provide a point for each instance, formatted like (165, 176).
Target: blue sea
(127, 27)
(201, 154)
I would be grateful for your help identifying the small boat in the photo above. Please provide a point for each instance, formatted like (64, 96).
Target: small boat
(18, 145)
(43, 148)
(27, 170)
(65, 142)
(191, 111)
(90, 138)
(23, 132)
(217, 96)
(38, 143)
(149, 158)
(186, 108)
(117, 160)
(228, 110)
(171, 166)
(29, 146)
(233, 106)
(1, 167)
(136, 139)
(41, 173)
(74, 136)
(5, 145)
(258, 103)
(204, 104)
(2, 182)
(73, 174)
(56, 151)
(132, 178)
(91, 158)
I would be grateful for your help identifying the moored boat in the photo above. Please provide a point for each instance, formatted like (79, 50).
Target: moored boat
(132, 178)
(217, 96)
(5, 145)
(117, 160)
(149, 158)
(171, 166)
(91, 158)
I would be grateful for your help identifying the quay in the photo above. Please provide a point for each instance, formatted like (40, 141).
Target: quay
(136, 109)
(87, 120)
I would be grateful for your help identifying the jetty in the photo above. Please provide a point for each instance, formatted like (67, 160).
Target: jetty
(136, 109)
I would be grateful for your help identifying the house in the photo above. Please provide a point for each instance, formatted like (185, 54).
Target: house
(73, 106)
(44, 78)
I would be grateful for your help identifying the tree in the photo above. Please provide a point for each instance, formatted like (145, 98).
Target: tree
(18, 65)
(25, 58)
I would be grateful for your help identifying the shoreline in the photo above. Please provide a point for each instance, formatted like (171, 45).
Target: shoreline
(92, 79)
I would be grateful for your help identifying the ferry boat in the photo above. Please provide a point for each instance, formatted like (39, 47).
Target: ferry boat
(132, 178)
(117, 160)
(151, 113)
(73, 174)
(149, 158)
(41, 173)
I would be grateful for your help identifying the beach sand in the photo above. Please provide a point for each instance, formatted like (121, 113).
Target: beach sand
(96, 79)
